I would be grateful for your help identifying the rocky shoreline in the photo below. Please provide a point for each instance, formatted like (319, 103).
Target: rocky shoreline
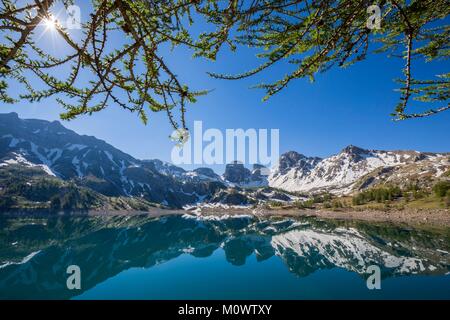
(412, 216)
(435, 217)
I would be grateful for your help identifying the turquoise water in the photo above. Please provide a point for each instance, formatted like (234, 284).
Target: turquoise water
(185, 257)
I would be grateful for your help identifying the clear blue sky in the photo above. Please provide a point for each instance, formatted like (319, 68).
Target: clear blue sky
(343, 106)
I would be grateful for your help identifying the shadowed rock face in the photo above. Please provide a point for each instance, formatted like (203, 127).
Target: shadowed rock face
(207, 172)
(236, 173)
(292, 159)
(239, 175)
(35, 253)
(231, 197)
(355, 152)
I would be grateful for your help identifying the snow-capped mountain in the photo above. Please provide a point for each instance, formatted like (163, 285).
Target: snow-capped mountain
(28, 146)
(342, 173)
(97, 165)
(236, 174)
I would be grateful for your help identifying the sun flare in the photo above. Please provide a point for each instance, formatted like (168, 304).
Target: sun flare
(50, 23)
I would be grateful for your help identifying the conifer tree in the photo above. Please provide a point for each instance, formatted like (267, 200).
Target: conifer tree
(311, 35)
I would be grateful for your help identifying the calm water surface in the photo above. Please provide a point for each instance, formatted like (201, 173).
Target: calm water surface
(242, 257)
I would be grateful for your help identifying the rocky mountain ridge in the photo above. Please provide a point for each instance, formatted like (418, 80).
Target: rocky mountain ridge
(93, 166)
(343, 173)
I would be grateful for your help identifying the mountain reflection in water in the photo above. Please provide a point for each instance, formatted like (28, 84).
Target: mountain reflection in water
(35, 253)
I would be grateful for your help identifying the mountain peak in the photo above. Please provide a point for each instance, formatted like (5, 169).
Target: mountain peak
(10, 115)
(292, 156)
(294, 160)
(57, 125)
(351, 149)
(235, 172)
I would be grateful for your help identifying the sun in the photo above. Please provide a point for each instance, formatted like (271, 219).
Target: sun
(50, 23)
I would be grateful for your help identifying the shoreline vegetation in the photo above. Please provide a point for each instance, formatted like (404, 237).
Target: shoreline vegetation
(411, 205)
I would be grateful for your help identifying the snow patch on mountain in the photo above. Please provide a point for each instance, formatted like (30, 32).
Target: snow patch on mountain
(342, 248)
(20, 160)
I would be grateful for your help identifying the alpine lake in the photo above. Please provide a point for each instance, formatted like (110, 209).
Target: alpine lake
(219, 257)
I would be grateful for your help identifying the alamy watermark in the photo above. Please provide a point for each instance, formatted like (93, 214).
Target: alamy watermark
(73, 20)
(74, 280)
(213, 146)
(374, 280)
(374, 20)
